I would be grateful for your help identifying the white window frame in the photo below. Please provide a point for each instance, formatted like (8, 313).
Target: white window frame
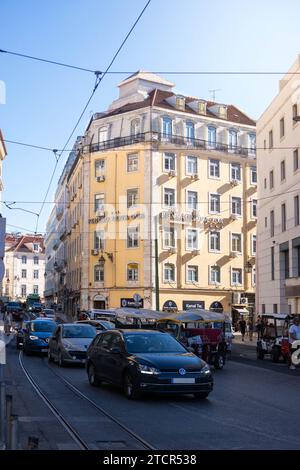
(166, 157)
(187, 248)
(253, 239)
(101, 208)
(209, 203)
(169, 246)
(237, 214)
(187, 280)
(232, 143)
(24, 259)
(253, 170)
(211, 145)
(103, 134)
(190, 209)
(190, 125)
(167, 281)
(136, 154)
(212, 160)
(236, 169)
(251, 147)
(101, 170)
(35, 274)
(167, 136)
(210, 234)
(35, 289)
(98, 236)
(137, 270)
(166, 206)
(240, 235)
(100, 269)
(195, 160)
(240, 272)
(252, 206)
(210, 281)
(134, 238)
(135, 204)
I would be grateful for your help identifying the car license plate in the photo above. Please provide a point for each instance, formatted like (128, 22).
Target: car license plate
(183, 381)
(44, 350)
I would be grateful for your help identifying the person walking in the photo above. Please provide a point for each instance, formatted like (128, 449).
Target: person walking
(259, 327)
(7, 323)
(250, 329)
(294, 335)
(243, 326)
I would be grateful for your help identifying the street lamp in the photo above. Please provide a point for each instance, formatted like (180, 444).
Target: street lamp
(248, 267)
(101, 261)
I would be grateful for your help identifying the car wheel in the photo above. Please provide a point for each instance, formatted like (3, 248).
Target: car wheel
(93, 379)
(60, 361)
(50, 358)
(201, 395)
(129, 387)
(219, 362)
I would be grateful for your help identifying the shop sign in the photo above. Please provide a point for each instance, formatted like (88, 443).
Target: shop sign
(193, 304)
(131, 303)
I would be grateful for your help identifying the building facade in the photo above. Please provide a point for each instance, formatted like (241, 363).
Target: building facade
(3, 154)
(278, 135)
(159, 165)
(24, 266)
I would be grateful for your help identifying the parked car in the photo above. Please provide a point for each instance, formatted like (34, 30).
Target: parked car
(37, 334)
(146, 361)
(69, 343)
(100, 325)
(16, 309)
(48, 313)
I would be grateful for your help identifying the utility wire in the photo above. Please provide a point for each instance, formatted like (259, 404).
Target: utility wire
(99, 78)
(164, 72)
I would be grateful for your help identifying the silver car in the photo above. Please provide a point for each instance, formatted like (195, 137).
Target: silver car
(69, 342)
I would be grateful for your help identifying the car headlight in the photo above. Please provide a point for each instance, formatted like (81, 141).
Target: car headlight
(148, 370)
(32, 337)
(205, 370)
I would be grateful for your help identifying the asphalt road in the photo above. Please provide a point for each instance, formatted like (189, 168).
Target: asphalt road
(252, 407)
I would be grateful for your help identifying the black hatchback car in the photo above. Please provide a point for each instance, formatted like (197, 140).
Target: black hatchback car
(146, 361)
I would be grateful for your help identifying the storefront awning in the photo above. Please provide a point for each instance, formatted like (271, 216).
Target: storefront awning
(241, 311)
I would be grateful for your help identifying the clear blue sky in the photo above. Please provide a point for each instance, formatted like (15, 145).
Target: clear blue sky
(44, 101)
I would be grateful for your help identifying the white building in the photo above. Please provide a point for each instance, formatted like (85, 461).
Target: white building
(24, 266)
(278, 158)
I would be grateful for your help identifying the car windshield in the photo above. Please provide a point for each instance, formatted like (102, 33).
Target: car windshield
(43, 326)
(152, 343)
(107, 324)
(78, 331)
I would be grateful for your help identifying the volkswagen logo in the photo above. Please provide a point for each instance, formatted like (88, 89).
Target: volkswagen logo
(182, 371)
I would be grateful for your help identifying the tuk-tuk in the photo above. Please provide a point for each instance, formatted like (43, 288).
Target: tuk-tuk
(136, 318)
(275, 337)
(196, 330)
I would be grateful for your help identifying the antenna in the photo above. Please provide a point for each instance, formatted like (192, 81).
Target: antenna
(213, 93)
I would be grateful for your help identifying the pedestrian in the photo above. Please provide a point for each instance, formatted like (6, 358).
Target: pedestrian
(294, 335)
(250, 328)
(7, 323)
(243, 326)
(259, 327)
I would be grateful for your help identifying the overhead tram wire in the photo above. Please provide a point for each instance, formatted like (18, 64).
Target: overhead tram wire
(99, 78)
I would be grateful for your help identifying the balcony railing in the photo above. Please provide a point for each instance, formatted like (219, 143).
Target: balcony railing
(155, 137)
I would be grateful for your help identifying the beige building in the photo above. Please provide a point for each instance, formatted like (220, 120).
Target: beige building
(278, 135)
(158, 163)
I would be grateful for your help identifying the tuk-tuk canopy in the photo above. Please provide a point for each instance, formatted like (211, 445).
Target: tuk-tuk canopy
(199, 315)
(140, 313)
(277, 316)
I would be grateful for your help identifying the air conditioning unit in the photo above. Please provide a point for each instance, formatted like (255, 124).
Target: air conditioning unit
(100, 178)
(95, 252)
(236, 298)
(234, 182)
(244, 300)
(172, 173)
(195, 176)
(234, 254)
(172, 251)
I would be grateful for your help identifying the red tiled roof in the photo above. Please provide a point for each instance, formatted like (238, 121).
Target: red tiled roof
(20, 242)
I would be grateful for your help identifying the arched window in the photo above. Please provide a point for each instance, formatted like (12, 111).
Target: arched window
(132, 272)
(135, 127)
(167, 127)
(99, 273)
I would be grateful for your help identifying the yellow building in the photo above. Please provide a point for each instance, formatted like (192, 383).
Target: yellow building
(178, 168)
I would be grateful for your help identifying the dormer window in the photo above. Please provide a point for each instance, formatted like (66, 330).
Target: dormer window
(135, 127)
(36, 247)
(202, 107)
(190, 131)
(223, 112)
(180, 102)
(219, 110)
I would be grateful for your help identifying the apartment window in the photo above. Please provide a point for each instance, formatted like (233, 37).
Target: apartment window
(192, 239)
(295, 110)
(190, 131)
(24, 259)
(272, 223)
(281, 126)
(214, 203)
(253, 245)
(99, 167)
(236, 206)
(253, 175)
(254, 208)
(103, 134)
(169, 162)
(236, 242)
(23, 290)
(169, 272)
(266, 222)
(132, 162)
(232, 140)
(275, 308)
(191, 165)
(214, 241)
(286, 261)
(192, 274)
(99, 273)
(283, 217)
(265, 183)
(271, 139)
(36, 260)
(296, 210)
(272, 263)
(236, 276)
(253, 277)
(296, 159)
(132, 237)
(263, 308)
(282, 170)
(252, 143)
(35, 274)
(35, 289)
(132, 197)
(192, 200)
(24, 274)
(132, 272)
(169, 197)
(235, 171)
(215, 275)
(99, 202)
(169, 238)
(167, 127)
(271, 179)
(212, 136)
(135, 127)
(99, 240)
(214, 168)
